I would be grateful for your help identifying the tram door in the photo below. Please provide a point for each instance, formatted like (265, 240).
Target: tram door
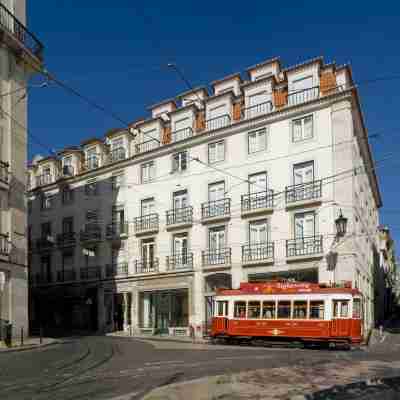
(340, 325)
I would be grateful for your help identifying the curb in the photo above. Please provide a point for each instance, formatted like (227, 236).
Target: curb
(161, 339)
(28, 347)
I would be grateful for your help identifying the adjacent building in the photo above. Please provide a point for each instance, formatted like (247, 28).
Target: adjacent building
(20, 56)
(238, 181)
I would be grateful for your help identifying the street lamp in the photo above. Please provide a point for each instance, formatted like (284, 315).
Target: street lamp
(341, 225)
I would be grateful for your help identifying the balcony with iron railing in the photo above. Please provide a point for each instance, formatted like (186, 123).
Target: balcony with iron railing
(66, 239)
(180, 261)
(92, 162)
(257, 253)
(4, 172)
(146, 224)
(146, 146)
(259, 202)
(118, 154)
(218, 122)
(220, 257)
(302, 96)
(303, 193)
(304, 247)
(90, 273)
(17, 30)
(179, 217)
(45, 179)
(91, 233)
(68, 275)
(146, 266)
(117, 230)
(5, 245)
(216, 210)
(119, 269)
(257, 109)
(181, 134)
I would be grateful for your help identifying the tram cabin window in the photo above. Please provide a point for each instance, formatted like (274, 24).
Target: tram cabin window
(222, 308)
(356, 308)
(316, 309)
(340, 308)
(283, 309)
(254, 309)
(300, 309)
(268, 310)
(240, 309)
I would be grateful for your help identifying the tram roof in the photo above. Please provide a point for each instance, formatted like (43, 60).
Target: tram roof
(284, 287)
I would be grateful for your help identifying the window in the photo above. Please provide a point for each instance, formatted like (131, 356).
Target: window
(340, 308)
(67, 166)
(91, 216)
(148, 171)
(46, 202)
(302, 84)
(257, 141)
(147, 252)
(216, 152)
(117, 181)
(91, 188)
(316, 309)
(68, 225)
(217, 111)
(225, 90)
(240, 309)
(356, 308)
(284, 309)
(258, 232)
(67, 195)
(262, 76)
(269, 309)
(147, 206)
(216, 238)
(46, 230)
(180, 125)
(92, 158)
(304, 225)
(179, 162)
(302, 129)
(300, 309)
(180, 199)
(254, 309)
(222, 308)
(303, 173)
(258, 182)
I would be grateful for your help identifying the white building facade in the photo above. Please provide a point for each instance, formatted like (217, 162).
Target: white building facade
(138, 230)
(20, 55)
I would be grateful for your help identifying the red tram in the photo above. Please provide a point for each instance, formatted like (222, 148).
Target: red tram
(289, 311)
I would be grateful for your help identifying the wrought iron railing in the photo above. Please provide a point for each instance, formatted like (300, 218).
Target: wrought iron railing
(119, 269)
(182, 134)
(5, 245)
(4, 171)
(303, 191)
(9, 22)
(147, 145)
(257, 109)
(117, 154)
(66, 275)
(66, 239)
(216, 208)
(259, 200)
(90, 273)
(221, 256)
(218, 122)
(91, 232)
(146, 266)
(180, 261)
(258, 252)
(116, 229)
(44, 179)
(302, 96)
(182, 215)
(146, 222)
(304, 246)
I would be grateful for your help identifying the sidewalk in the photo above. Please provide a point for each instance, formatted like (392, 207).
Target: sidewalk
(29, 344)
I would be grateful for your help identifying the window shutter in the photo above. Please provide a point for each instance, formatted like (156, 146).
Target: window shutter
(211, 153)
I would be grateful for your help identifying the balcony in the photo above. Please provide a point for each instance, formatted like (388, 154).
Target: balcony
(146, 224)
(117, 154)
(216, 210)
(68, 275)
(91, 233)
(146, 146)
(146, 266)
(66, 239)
(303, 194)
(303, 96)
(4, 172)
(20, 34)
(44, 179)
(181, 134)
(257, 203)
(257, 109)
(117, 230)
(90, 273)
(179, 218)
(216, 257)
(44, 244)
(120, 269)
(257, 253)
(305, 247)
(5, 245)
(218, 122)
(180, 261)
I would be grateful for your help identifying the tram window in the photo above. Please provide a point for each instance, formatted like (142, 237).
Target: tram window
(283, 309)
(316, 309)
(268, 309)
(340, 309)
(254, 309)
(300, 309)
(222, 308)
(344, 312)
(240, 309)
(356, 308)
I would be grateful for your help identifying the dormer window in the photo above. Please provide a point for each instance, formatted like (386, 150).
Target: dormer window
(92, 158)
(67, 168)
(117, 149)
(228, 89)
(182, 129)
(263, 76)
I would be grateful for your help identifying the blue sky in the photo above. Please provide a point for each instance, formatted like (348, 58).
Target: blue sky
(116, 52)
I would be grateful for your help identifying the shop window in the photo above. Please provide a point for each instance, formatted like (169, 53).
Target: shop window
(240, 309)
(254, 309)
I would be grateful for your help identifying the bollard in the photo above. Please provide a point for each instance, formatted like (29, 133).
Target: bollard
(22, 336)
